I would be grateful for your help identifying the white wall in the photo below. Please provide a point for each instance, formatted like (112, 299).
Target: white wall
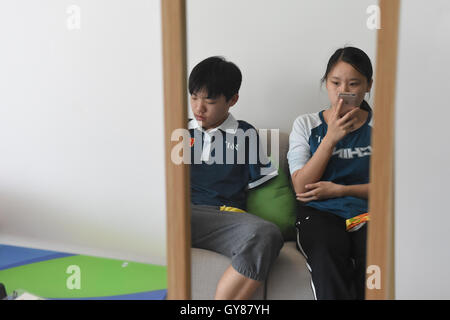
(282, 48)
(422, 171)
(81, 127)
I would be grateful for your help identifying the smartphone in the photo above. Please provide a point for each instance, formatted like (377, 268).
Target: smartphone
(349, 98)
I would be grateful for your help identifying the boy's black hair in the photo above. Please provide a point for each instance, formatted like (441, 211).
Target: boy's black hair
(217, 76)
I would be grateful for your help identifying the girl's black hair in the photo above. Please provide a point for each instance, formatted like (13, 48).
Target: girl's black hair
(358, 59)
(217, 76)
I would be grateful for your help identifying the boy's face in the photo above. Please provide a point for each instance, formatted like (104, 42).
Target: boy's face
(210, 113)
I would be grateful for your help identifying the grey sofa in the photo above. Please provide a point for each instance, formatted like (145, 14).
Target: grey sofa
(289, 278)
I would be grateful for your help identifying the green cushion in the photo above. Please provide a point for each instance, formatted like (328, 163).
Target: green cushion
(275, 201)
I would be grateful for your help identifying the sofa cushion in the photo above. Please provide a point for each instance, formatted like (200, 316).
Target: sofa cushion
(207, 267)
(274, 201)
(289, 278)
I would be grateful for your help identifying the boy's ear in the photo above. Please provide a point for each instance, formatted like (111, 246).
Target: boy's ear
(233, 100)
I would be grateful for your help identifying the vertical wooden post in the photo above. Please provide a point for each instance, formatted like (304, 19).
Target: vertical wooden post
(380, 248)
(177, 176)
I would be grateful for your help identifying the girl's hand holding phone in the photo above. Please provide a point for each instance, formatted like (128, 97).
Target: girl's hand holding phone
(339, 126)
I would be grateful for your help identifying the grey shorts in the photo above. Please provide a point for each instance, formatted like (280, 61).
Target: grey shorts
(252, 243)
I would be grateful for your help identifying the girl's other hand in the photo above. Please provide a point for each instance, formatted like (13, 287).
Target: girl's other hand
(320, 191)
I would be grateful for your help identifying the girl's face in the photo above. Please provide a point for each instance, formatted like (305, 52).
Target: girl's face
(344, 78)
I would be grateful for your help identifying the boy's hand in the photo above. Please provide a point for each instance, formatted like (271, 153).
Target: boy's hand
(320, 191)
(339, 127)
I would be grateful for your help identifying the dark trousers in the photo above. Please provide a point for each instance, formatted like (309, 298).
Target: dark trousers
(336, 258)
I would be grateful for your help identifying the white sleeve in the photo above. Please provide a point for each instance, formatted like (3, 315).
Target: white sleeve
(299, 150)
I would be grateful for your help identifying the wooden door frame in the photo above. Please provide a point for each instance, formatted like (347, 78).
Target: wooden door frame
(173, 19)
(380, 244)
